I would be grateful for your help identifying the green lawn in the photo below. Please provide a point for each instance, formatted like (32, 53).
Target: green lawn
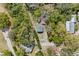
(3, 45)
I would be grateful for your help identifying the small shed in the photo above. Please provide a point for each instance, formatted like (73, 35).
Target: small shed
(39, 28)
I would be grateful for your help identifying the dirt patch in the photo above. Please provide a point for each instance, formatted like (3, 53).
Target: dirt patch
(3, 45)
(2, 9)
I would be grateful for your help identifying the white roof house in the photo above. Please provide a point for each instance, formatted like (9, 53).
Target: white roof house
(72, 24)
(72, 27)
(68, 25)
(27, 49)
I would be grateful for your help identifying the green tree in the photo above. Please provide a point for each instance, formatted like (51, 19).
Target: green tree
(37, 13)
(7, 53)
(39, 53)
(50, 51)
(21, 32)
(71, 45)
(4, 22)
(20, 52)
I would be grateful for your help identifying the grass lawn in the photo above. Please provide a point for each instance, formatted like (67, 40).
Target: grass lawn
(3, 45)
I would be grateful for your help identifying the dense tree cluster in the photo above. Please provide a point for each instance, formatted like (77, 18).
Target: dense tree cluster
(4, 21)
(7, 53)
(21, 31)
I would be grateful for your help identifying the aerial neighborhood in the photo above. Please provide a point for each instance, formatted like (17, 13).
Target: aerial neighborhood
(39, 29)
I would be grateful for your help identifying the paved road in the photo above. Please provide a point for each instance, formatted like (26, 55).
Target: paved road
(9, 44)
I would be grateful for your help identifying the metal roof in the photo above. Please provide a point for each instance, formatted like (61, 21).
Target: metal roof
(27, 49)
(39, 28)
(68, 25)
(72, 27)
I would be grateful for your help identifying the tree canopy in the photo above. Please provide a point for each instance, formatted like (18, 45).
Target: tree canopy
(4, 21)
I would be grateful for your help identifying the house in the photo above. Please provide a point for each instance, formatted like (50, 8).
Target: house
(28, 49)
(70, 25)
(39, 28)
